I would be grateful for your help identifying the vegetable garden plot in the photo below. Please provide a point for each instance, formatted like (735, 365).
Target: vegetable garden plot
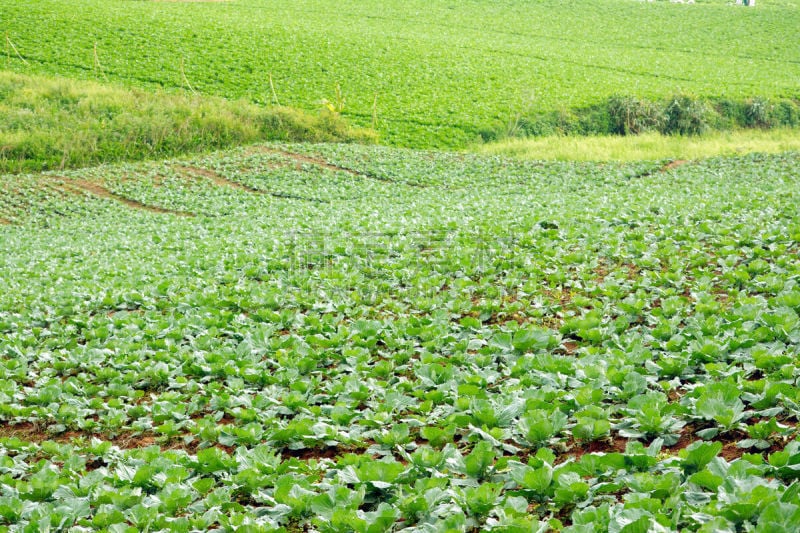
(504, 345)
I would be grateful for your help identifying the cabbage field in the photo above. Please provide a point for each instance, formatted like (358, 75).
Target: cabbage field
(425, 74)
(346, 338)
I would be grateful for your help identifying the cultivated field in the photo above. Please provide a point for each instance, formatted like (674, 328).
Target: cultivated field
(297, 335)
(424, 73)
(343, 338)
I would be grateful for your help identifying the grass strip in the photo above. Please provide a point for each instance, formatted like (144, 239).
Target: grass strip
(55, 123)
(647, 146)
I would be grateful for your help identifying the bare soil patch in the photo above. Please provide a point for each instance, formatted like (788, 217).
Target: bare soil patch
(673, 164)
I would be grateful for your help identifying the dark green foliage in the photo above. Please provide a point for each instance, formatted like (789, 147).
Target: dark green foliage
(681, 114)
(685, 115)
(630, 115)
(757, 113)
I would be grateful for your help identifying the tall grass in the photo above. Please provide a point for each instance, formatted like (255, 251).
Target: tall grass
(53, 123)
(647, 146)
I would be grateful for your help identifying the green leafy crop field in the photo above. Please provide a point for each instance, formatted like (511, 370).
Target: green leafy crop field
(343, 338)
(425, 73)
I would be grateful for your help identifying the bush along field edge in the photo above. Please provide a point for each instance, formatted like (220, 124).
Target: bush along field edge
(680, 114)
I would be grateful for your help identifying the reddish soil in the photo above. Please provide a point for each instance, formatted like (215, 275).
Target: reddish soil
(300, 158)
(686, 438)
(730, 451)
(30, 432)
(601, 270)
(610, 444)
(561, 297)
(633, 270)
(570, 347)
(675, 394)
(319, 162)
(219, 180)
(82, 185)
(225, 182)
(674, 164)
(328, 452)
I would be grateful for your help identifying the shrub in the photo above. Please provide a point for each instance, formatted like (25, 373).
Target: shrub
(629, 115)
(786, 113)
(685, 115)
(757, 113)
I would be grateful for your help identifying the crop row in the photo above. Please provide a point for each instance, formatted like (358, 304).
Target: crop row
(414, 340)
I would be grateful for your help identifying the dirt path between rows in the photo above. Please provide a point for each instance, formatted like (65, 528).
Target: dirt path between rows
(222, 181)
(327, 165)
(85, 186)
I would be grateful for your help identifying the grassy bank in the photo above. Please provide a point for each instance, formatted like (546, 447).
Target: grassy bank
(52, 123)
(652, 146)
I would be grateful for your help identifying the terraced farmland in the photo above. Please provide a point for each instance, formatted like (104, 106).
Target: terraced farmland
(343, 338)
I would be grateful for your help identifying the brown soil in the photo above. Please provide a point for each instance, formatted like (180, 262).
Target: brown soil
(219, 180)
(674, 164)
(85, 186)
(319, 162)
(126, 440)
(570, 347)
(222, 181)
(562, 297)
(328, 452)
(687, 437)
(730, 451)
(608, 445)
(300, 158)
(4, 221)
(675, 394)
